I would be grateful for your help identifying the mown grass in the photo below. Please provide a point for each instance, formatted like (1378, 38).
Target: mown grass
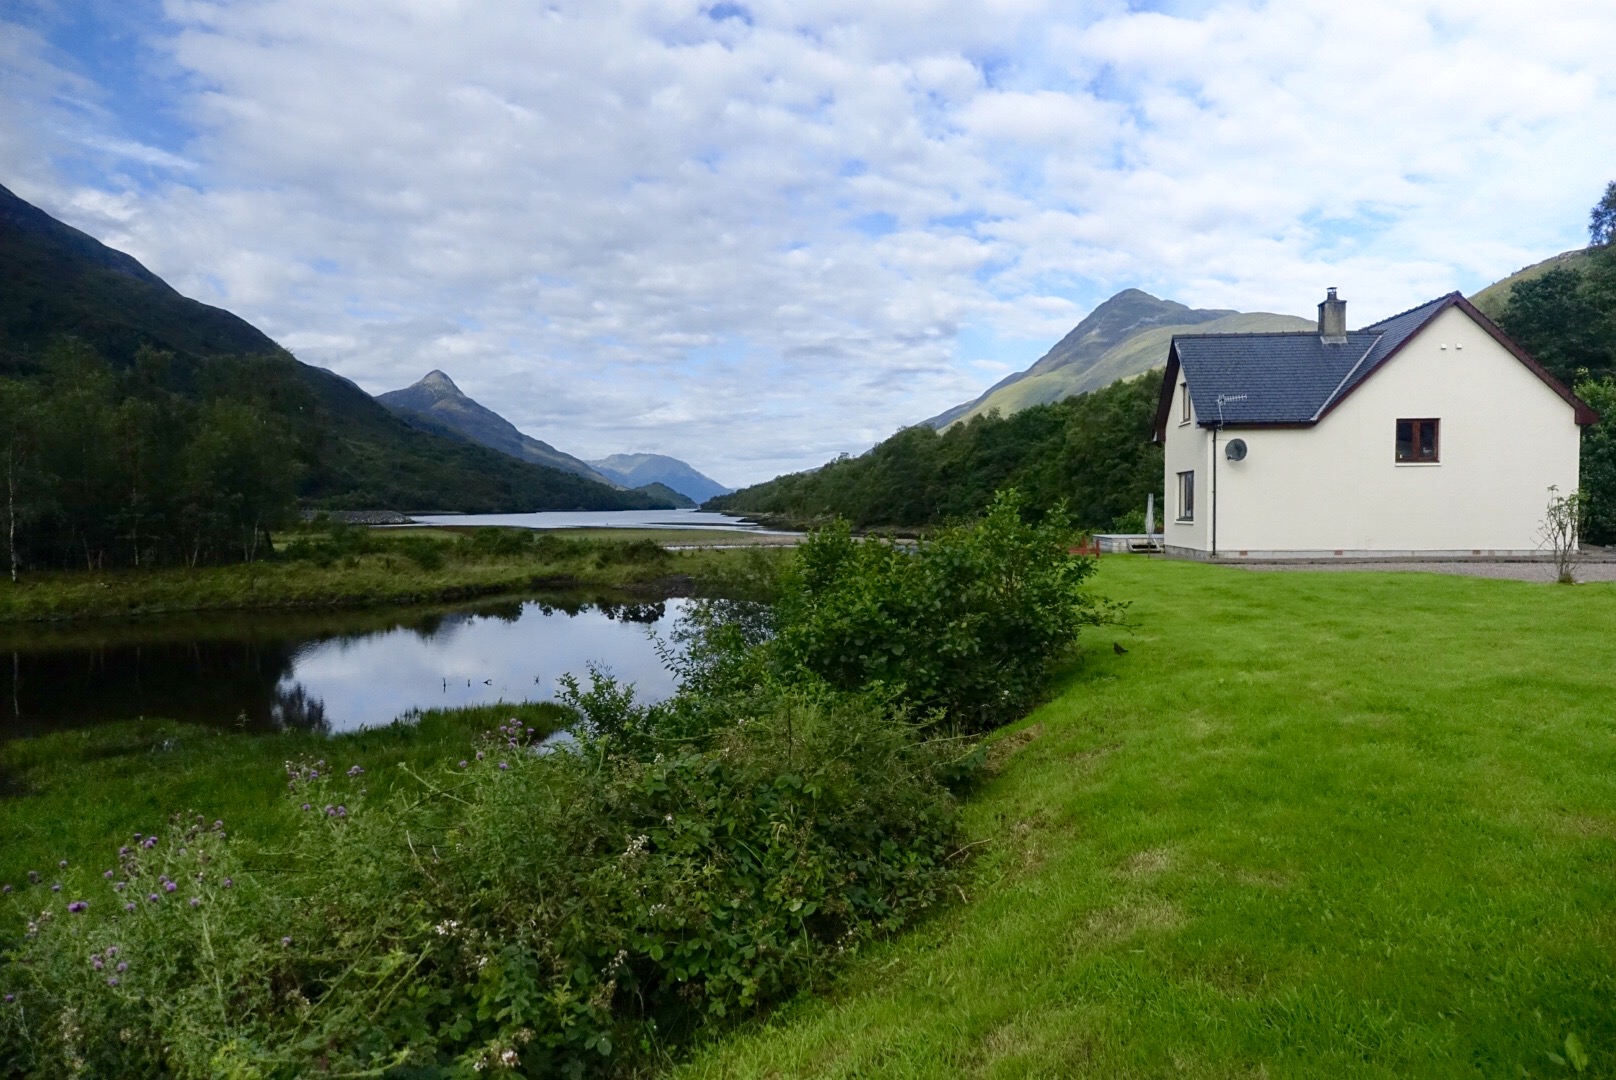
(1314, 825)
(78, 795)
(393, 573)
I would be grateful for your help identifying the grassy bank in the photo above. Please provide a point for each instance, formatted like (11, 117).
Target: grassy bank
(1309, 825)
(367, 567)
(76, 795)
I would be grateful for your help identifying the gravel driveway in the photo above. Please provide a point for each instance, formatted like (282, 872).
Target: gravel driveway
(1604, 569)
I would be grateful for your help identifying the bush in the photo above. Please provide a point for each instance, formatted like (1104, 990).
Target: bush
(966, 624)
(546, 914)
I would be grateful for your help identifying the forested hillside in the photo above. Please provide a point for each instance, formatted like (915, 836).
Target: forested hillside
(1092, 451)
(1566, 317)
(153, 365)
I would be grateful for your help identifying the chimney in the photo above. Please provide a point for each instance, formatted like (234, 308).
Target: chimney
(1333, 320)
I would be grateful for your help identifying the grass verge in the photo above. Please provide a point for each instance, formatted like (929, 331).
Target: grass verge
(1312, 825)
(77, 794)
(391, 569)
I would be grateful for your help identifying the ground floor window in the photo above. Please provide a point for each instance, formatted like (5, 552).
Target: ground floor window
(1418, 441)
(1186, 496)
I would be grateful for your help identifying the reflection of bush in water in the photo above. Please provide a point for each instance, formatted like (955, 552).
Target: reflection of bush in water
(293, 709)
(636, 613)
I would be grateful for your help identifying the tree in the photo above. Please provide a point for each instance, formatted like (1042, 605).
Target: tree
(19, 452)
(1602, 220)
(1599, 461)
(1558, 320)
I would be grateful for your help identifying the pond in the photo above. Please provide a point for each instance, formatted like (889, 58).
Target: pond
(326, 671)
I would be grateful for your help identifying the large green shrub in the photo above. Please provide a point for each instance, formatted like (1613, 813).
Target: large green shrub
(965, 623)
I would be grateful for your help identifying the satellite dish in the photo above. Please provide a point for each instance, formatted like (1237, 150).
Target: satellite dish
(1235, 450)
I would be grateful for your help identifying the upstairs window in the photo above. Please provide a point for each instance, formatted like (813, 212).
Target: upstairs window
(1184, 394)
(1186, 496)
(1419, 442)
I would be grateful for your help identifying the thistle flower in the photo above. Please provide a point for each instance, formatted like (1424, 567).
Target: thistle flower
(122, 967)
(95, 962)
(112, 950)
(286, 942)
(150, 842)
(153, 897)
(196, 901)
(57, 887)
(62, 865)
(77, 907)
(462, 765)
(342, 811)
(108, 875)
(130, 906)
(169, 886)
(356, 771)
(479, 755)
(10, 998)
(118, 886)
(7, 888)
(218, 825)
(227, 883)
(112, 980)
(503, 765)
(306, 806)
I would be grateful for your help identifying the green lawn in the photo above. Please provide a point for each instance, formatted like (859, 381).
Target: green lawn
(1309, 825)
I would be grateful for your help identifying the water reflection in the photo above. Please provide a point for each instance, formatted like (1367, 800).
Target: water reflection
(322, 672)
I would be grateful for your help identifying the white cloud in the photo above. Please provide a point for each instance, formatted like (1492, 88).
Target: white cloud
(753, 242)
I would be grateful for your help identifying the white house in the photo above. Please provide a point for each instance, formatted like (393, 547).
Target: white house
(1430, 433)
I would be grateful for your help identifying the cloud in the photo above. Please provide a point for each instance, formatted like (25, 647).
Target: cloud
(754, 235)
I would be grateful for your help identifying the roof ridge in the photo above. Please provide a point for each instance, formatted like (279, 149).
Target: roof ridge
(1410, 311)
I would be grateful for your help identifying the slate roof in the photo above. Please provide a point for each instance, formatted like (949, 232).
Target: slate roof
(1294, 378)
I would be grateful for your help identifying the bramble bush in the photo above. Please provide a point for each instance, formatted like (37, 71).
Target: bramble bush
(538, 911)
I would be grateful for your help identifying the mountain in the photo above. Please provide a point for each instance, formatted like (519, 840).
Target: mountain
(1495, 298)
(437, 398)
(636, 470)
(1124, 336)
(677, 500)
(59, 283)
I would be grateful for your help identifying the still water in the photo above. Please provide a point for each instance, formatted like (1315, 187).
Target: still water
(598, 519)
(326, 671)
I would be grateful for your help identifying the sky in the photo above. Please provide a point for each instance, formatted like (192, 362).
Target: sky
(756, 234)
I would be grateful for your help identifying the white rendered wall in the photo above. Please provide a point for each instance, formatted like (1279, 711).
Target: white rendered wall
(1186, 449)
(1336, 487)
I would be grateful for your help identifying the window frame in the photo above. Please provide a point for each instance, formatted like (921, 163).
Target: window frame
(1415, 432)
(1186, 506)
(1184, 409)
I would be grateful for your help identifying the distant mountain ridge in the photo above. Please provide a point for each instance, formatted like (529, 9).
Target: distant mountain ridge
(57, 282)
(437, 397)
(1125, 336)
(638, 470)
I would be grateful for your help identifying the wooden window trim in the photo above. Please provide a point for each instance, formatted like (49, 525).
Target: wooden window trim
(1190, 516)
(1418, 425)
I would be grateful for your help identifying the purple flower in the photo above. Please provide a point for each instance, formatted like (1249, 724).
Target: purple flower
(62, 865)
(95, 962)
(137, 837)
(130, 906)
(479, 755)
(123, 850)
(196, 901)
(77, 907)
(112, 950)
(112, 980)
(107, 875)
(56, 887)
(122, 967)
(153, 897)
(330, 811)
(227, 883)
(286, 942)
(218, 824)
(118, 886)
(314, 774)
(151, 842)
(462, 765)
(503, 765)
(10, 998)
(356, 771)
(169, 886)
(7, 888)
(306, 806)
(342, 811)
